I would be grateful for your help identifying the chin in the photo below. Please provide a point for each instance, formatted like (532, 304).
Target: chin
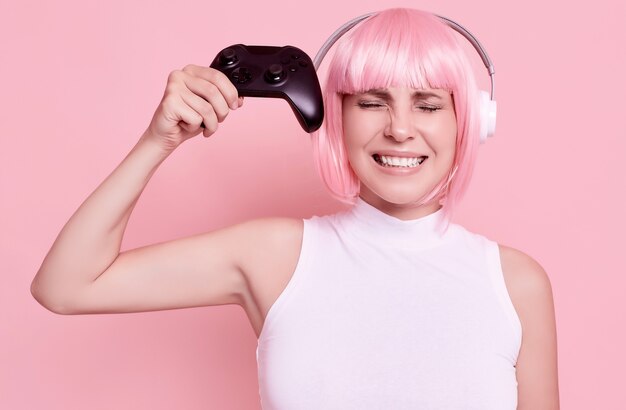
(397, 197)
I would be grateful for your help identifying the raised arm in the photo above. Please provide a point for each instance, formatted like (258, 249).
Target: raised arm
(84, 271)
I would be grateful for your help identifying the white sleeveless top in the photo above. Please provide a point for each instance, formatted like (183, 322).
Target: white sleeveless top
(382, 313)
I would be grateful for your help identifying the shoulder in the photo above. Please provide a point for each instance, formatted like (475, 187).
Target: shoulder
(271, 252)
(526, 277)
(531, 294)
(270, 235)
(275, 228)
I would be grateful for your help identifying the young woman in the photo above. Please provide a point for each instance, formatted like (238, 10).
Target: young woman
(386, 305)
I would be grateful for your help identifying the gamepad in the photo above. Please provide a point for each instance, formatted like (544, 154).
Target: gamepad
(275, 72)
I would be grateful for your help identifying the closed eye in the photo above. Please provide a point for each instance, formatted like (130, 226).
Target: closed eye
(429, 109)
(369, 104)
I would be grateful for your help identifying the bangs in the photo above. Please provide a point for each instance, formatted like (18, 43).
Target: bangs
(399, 48)
(396, 52)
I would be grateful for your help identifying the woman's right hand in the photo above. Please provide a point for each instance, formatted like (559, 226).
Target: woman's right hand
(193, 95)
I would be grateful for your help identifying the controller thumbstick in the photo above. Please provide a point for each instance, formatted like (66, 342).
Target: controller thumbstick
(228, 57)
(275, 73)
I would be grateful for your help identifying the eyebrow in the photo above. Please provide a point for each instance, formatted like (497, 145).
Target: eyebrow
(384, 94)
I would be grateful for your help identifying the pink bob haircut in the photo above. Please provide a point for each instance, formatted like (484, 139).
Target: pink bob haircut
(399, 48)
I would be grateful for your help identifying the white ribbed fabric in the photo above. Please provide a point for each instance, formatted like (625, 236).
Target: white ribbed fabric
(382, 313)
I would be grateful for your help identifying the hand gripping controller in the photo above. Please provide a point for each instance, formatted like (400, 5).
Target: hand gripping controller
(275, 72)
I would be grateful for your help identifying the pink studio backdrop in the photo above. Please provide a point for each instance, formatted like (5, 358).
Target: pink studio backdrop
(81, 80)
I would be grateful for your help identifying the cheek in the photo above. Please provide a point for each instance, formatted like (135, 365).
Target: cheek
(446, 130)
(357, 130)
(350, 135)
(347, 126)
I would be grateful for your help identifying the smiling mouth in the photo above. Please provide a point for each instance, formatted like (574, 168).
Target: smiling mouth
(398, 162)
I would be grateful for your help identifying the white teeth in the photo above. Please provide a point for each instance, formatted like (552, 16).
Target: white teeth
(400, 161)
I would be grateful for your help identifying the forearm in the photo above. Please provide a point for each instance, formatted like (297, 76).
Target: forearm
(91, 239)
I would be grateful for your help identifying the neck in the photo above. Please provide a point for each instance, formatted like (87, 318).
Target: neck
(404, 212)
(364, 222)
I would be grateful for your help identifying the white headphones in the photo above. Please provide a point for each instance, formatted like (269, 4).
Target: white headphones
(487, 101)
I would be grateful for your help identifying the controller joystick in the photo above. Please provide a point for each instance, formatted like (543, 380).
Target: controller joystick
(275, 72)
(228, 57)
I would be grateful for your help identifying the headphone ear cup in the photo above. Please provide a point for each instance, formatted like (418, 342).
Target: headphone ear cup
(488, 109)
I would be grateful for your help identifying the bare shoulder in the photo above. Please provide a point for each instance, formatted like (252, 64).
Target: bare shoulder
(266, 237)
(525, 275)
(531, 294)
(274, 227)
(272, 249)
(528, 285)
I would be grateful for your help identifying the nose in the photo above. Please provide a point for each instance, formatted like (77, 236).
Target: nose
(400, 126)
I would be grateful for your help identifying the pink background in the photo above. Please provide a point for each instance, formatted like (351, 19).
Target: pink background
(81, 80)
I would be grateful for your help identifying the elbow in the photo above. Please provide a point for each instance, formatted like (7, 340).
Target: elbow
(54, 304)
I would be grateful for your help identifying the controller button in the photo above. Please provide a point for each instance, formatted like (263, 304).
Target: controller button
(241, 75)
(295, 56)
(275, 73)
(293, 68)
(303, 63)
(228, 57)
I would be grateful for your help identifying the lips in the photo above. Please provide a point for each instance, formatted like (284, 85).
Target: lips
(400, 154)
(399, 160)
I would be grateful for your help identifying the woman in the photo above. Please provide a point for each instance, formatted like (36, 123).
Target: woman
(386, 305)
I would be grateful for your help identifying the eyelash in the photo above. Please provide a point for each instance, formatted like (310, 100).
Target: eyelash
(375, 105)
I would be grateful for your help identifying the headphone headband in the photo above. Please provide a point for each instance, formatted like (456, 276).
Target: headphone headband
(454, 25)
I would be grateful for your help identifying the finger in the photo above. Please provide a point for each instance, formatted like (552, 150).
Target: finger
(204, 110)
(187, 127)
(207, 94)
(182, 112)
(217, 78)
(202, 107)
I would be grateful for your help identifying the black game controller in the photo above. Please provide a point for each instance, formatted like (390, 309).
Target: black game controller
(276, 72)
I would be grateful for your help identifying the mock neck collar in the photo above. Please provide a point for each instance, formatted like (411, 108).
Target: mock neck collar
(371, 224)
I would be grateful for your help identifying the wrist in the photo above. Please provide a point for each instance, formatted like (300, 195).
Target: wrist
(151, 149)
(153, 143)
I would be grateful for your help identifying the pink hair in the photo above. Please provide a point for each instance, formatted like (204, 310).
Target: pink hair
(399, 47)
